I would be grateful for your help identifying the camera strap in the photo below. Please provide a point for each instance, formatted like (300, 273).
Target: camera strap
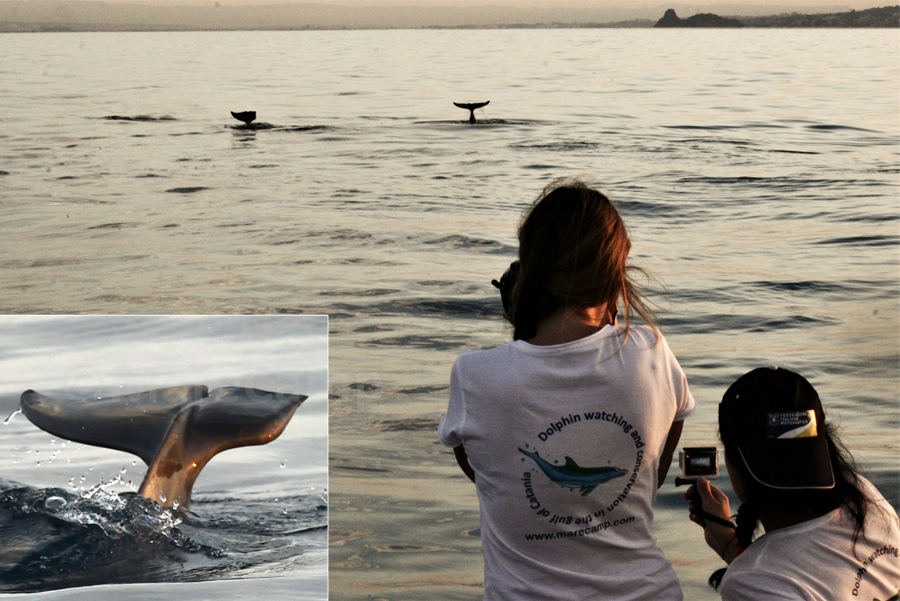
(708, 517)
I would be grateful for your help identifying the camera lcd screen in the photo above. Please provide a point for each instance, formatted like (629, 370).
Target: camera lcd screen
(699, 461)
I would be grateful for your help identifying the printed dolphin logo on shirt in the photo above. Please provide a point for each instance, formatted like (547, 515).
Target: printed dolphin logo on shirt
(573, 475)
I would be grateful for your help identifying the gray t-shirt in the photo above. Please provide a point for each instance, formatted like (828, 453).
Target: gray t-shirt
(565, 443)
(818, 561)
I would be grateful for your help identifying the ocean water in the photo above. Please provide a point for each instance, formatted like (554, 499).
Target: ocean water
(757, 171)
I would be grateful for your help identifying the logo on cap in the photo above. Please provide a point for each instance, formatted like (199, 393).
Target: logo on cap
(792, 424)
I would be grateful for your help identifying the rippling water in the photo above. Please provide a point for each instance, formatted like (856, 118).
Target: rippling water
(757, 170)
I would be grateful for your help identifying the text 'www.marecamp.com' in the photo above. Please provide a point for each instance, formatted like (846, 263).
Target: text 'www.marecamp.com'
(580, 531)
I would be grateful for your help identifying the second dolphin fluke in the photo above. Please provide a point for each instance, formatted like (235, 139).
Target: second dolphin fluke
(246, 116)
(471, 108)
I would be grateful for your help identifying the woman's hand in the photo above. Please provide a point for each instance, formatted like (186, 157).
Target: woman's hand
(713, 501)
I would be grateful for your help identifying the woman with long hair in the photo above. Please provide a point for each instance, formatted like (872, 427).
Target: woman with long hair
(829, 533)
(568, 430)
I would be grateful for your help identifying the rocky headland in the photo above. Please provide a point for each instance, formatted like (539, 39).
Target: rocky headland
(670, 19)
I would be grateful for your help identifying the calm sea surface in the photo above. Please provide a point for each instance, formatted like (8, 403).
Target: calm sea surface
(758, 171)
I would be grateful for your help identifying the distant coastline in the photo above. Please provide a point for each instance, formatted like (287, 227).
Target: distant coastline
(87, 15)
(888, 16)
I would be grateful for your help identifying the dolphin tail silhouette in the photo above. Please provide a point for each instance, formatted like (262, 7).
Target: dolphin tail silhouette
(175, 431)
(246, 116)
(471, 108)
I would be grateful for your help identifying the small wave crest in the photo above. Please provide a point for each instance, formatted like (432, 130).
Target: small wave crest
(142, 118)
(262, 126)
(884, 240)
(55, 539)
(561, 146)
(460, 308)
(116, 515)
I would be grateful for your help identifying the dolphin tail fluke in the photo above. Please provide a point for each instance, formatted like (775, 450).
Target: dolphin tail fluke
(228, 418)
(176, 431)
(471, 107)
(135, 423)
(246, 116)
(532, 455)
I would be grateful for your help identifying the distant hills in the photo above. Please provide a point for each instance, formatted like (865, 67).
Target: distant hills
(90, 15)
(888, 16)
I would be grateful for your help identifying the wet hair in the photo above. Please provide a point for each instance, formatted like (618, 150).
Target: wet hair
(573, 248)
(847, 492)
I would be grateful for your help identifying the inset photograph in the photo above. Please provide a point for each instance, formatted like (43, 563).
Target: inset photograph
(178, 455)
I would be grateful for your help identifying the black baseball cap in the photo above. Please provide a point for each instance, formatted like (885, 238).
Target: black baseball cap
(775, 419)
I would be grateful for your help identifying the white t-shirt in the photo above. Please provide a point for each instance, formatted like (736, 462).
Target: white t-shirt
(816, 560)
(565, 443)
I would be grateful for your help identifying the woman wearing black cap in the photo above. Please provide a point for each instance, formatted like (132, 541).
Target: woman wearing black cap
(829, 533)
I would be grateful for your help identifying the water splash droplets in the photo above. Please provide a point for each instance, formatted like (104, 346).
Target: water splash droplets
(54, 503)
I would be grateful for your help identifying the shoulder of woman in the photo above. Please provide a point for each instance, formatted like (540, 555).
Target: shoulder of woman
(646, 337)
(747, 580)
(881, 507)
(477, 356)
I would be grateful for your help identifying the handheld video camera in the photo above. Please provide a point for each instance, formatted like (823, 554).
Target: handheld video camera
(700, 462)
(697, 462)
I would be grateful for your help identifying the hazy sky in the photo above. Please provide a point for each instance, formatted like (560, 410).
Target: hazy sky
(328, 14)
(850, 4)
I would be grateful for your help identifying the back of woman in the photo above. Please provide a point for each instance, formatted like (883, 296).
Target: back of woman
(567, 429)
(565, 442)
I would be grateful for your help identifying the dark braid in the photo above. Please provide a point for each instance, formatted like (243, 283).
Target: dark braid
(747, 520)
